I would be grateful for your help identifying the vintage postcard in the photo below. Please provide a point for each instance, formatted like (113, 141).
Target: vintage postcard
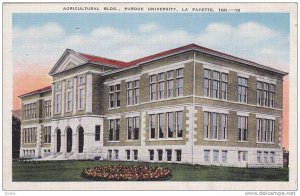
(150, 96)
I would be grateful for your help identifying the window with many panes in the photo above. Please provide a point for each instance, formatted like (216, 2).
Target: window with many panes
(152, 125)
(151, 155)
(116, 154)
(169, 155)
(215, 126)
(114, 130)
(47, 134)
(69, 99)
(152, 86)
(207, 81)
(265, 94)
(242, 156)
(161, 123)
(128, 154)
(109, 154)
(258, 156)
(206, 155)
(30, 111)
(179, 123)
(242, 89)
(265, 130)
(136, 91)
(215, 84)
(114, 96)
(161, 86)
(29, 135)
(160, 155)
(57, 103)
(170, 120)
(170, 84)
(133, 128)
(179, 82)
(242, 128)
(178, 155)
(129, 93)
(135, 154)
(48, 108)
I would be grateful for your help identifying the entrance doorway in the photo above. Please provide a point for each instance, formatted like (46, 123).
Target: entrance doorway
(80, 139)
(69, 139)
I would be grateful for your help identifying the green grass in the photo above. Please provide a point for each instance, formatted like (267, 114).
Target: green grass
(71, 171)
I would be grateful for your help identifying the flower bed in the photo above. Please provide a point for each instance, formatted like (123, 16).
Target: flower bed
(126, 173)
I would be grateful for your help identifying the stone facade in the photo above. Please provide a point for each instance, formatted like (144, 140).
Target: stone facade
(98, 110)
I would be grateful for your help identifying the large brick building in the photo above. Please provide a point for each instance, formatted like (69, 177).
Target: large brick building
(186, 105)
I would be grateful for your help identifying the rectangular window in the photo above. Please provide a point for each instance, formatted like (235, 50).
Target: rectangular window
(153, 93)
(69, 100)
(216, 84)
(207, 81)
(136, 91)
(152, 126)
(48, 108)
(223, 126)
(81, 99)
(206, 155)
(179, 82)
(170, 120)
(206, 125)
(111, 130)
(170, 83)
(214, 125)
(266, 154)
(224, 86)
(111, 97)
(114, 96)
(161, 86)
(224, 156)
(169, 155)
(272, 157)
(57, 103)
(161, 122)
(117, 94)
(117, 129)
(128, 154)
(259, 93)
(216, 155)
(129, 128)
(97, 133)
(258, 156)
(160, 155)
(242, 128)
(151, 155)
(178, 155)
(114, 130)
(116, 154)
(179, 123)
(47, 134)
(129, 94)
(265, 130)
(135, 154)
(136, 128)
(242, 89)
(242, 156)
(109, 155)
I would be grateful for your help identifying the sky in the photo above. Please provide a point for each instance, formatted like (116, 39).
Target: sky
(39, 39)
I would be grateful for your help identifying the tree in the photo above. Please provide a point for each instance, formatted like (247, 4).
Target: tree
(16, 124)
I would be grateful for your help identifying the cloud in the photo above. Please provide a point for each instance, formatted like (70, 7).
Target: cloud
(43, 45)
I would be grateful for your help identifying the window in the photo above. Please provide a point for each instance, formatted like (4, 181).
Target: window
(161, 86)
(216, 84)
(265, 130)
(206, 155)
(266, 156)
(265, 94)
(129, 94)
(114, 130)
(258, 156)
(179, 82)
(135, 154)
(47, 134)
(179, 123)
(160, 155)
(242, 128)
(109, 155)
(242, 89)
(116, 154)
(169, 155)
(224, 156)
(69, 101)
(114, 96)
(152, 125)
(170, 83)
(136, 91)
(57, 103)
(272, 157)
(81, 98)
(170, 124)
(207, 82)
(212, 129)
(259, 93)
(178, 155)
(30, 111)
(128, 154)
(97, 133)
(133, 126)
(153, 93)
(161, 122)
(224, 85)
(216, 155)
(48, 108)
(151, 155)
(242, 156)
(136, 128)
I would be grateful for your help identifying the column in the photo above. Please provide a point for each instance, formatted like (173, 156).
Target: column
(53, 100)
(89, 92)
(63, 143)
(63, 93)
(74, 94)
(74, 141)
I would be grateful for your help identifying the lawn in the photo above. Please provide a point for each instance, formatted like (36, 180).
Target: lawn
(71, 171)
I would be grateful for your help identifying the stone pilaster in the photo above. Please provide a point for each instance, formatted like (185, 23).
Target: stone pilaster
(89, 93)
(74, 95)
(63, 97)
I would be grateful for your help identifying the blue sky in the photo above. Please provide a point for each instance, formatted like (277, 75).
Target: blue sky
(260, 37)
